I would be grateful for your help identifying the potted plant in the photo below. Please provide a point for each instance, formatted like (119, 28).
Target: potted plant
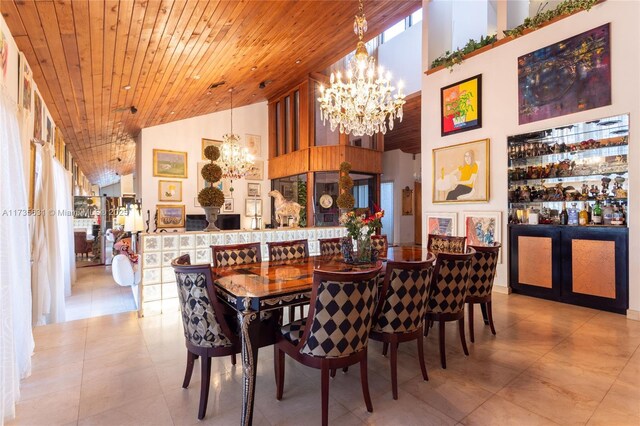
(211, 197)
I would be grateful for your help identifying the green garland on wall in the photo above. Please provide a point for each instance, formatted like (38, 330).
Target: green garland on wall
(565, 8)
(449, 59)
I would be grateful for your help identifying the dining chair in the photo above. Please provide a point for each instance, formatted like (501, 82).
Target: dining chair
(336, 332)
(236, 254)
(330, 247)
(445, 244)
(207, 331)
(380, 243)
(289, 250)
(483, 271)
(401, 309)
(447, 294)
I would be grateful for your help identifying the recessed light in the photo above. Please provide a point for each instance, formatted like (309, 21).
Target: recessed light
(196, 77)
(209, 92)
(298, 61)
(127, 87)
(253, 95)
(254, 68)
(172, 112)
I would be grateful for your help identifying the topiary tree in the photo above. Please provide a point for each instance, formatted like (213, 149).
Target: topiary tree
(211, 196)
(345, 183)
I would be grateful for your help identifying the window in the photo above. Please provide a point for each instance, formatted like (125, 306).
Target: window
(415, 17)
(296, 120)
(287, 124)
(393, 31)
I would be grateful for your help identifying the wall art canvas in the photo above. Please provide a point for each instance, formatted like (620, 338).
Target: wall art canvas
(442, 224)
(461, 106)
(170, 216)
(254, 145)
(209, 142)
(170, 190)
(37, 116)
(227, 207)
(566, 77)
(257, 171)
(48, 128)
(4, 56)
(482, 228)
(461, 172)
(26, 89)
(169, 163)
(253, 189)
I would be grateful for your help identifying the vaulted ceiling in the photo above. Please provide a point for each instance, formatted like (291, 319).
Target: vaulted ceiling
(84, 53)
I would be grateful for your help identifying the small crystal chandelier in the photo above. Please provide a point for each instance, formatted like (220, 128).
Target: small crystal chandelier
(362, 103)
(235, 160)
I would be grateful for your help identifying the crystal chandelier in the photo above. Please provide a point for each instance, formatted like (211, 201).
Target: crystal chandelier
(235, 160)
(362, 102)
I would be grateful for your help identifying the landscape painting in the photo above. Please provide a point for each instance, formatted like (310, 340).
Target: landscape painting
(566, 77)
(169, 163)
(170, 216)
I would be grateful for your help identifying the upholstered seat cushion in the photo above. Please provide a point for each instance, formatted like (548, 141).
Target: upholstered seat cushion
(293, 331)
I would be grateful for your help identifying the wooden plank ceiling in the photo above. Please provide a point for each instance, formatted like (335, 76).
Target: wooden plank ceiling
(406, 135)
(84, 52)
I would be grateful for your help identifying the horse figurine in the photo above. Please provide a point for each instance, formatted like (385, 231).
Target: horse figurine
(285, 208)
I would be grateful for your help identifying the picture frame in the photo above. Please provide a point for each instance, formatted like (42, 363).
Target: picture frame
(208, 142)
(253, 189)
(168, 163)
(257, 171)
(254, 145)
(407, 201)
(170, 215)
(170, 190)
(37, 116)
(442, 223)
(253, 207)
(227, 207)
(461, 106)
(483, 228)
(26, 86)
(48, 129)
(461, 172)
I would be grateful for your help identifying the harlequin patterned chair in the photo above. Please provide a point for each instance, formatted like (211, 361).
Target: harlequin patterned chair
(380, 243)
(449, 283)
(237, 254)
(288, 250)
(401, 309)
(483, 272)
(445, 244)
(336, 332)
(206, 331)
(330, 247)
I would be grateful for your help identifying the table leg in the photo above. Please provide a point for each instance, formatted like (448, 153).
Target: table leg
(249, 331)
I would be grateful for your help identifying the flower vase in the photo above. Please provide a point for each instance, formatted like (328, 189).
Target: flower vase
(211, 213)
(364, 249)
(346, 246)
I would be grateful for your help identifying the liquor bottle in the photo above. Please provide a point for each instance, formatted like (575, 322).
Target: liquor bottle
(597, 214)
(564, 216)
(607, 213)
(574, 215)
(583, 216)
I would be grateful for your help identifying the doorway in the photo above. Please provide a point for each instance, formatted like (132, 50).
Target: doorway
(386, 202)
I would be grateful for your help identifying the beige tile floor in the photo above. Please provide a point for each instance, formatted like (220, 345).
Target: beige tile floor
(549, 364)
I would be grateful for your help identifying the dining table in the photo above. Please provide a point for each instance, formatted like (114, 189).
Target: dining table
(406, 254)
(257, 289)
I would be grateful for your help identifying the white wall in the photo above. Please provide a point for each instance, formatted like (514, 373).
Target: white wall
(186, 135)
(402, 57)
(470, 20)
(113, 190)
(398, 167)
(498, 67)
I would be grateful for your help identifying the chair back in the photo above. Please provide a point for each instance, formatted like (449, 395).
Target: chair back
(403, 299)
(288, 250)
(445, 244)
(80, 241)
(380, 243)
(330, 246)
(202, 319)
(237, 254)
(340, 315)
(483, 270)
(449, 283)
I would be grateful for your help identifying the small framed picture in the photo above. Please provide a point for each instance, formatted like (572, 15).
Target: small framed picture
(461, 106)
(253, 207)
(227, 207)
(209, 142)
(253, 145)
(253, 189)
(442, 224)
(170, 216)
(172, 164)
(483, 228)
(170, 190)
(257, 171)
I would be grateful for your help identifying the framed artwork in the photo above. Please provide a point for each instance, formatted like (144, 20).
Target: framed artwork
(170, 190)
(407, 201)
(286, 188)
(253, 207)
(4, 55)
(26, 89)
(483, 228)
(257, 171)
(37, 116)
(169, 163)
(48, 128)
(170, 216)
(461, 106)
(442, 224)
(209, 142)
(254, 145)
(227, 207)
(253, 189)
(566, 77)
(461, 172)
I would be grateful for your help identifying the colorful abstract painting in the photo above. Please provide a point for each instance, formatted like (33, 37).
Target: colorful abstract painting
(483, 228)
(442, 224)
(461, 106)
(566, 77)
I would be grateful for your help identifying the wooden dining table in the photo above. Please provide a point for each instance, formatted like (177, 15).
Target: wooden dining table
(258, 288)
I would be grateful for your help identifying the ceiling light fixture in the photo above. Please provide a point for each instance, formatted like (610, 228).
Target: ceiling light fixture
(196, 77)
(235, 160)
(298, 61)
(364, 102)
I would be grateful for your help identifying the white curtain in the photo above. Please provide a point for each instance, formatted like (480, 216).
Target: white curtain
(16, 338)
